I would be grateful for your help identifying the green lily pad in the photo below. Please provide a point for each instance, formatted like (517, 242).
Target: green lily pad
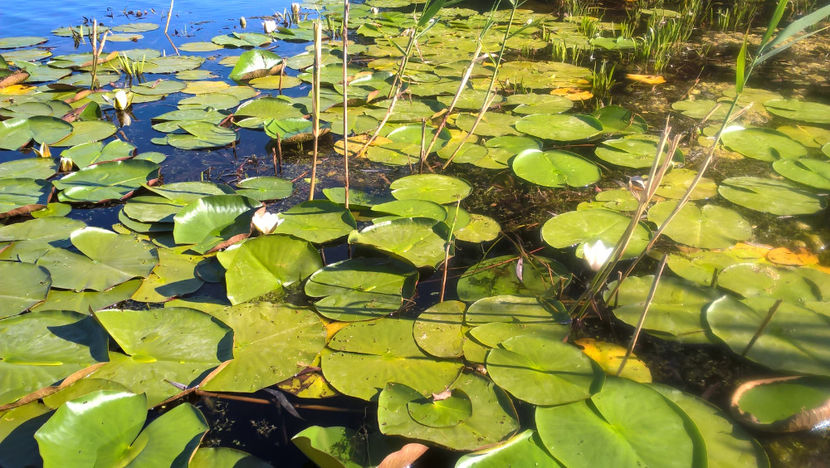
(675, 311)
(810, 172)
(106, 181)
(677, 181)
(619, 120)
(152, 209)
(317, 221)
(209, 221)
(17, 132)
(24, 285)
(218, 101)
(560, 127)
(421, 241)
(158, 87)
(492, 124)
(790, 342)
(501, 276)
(333, 447)
(199, 47)
(253, 64)
(108, 259)
(104, 428)
(763, 144)
(588, 226)
(709, 227)
(147, 364)
(265, 188)
(489, 419)
(515, 309)
(700, 108)
(622, 422)
(85, 131)
(272, 342)
(17, 434)
(803, 111)
(411, 208)
(87, 154)
(636, 151)
(268, 263)
(480, 229)
(175, 275)
(727, 444)
(543, 371)
(439, 329)
(785, 404)
(290, 130)
(364, 356)
(135, 27)
(770, 196)
(436, 188)
(555, 168)
(361, 288)
(20, 196)
(526, 447)
(182, 193)
(20, 41)
(41, 348)
(88, 301)
(539, 103)
(222, 457)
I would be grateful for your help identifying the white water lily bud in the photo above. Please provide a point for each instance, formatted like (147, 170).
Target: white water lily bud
(375, 11)
(66, 164)
(122, 99)
(265, 222)
(596, 254)
(269, 26)
(44, 151)
(243, 22)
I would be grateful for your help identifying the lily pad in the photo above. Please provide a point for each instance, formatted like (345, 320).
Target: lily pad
(489, 419)
(24, 285)
(421, 241)
(515, 309)
(106, 181)
(265, 188)
(20, 41)
(622, 421)
(763, 144)
(207, 222)
(527, 447)
(171, 355)
(783, 404)
(543, 371)
(709, 227)
(502, 275)
(29, 168)
(254, 63)
(588, 226)
(635, 151)
(317, 221)
(102, 428)
(790, 342)
(361, 288)
(770, 196)
(87, 301)
(272, 342)
(560, 127)
(555, 168)
(268, 263)
(803, 111)
(41, 348)
(85, 131)
(480, 229)
(677, 181)
(675, 311)
(175, 275)
(436, 188)
(439, 330)
(810, 172)
(364, 356)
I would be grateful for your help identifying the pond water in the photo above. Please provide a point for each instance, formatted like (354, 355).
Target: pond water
(502, 342)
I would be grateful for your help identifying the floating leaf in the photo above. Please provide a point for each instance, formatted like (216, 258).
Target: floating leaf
(498, 276)
(106, 181)
(791, 341)
(364, 356)
(255, 63)
(609, 356)
(677, 181)
(543, 371)
(316, 221)
(208, 221)
(41, 348)
(21, 196)
(515, 309)
(268, 263)
(439, 331)
(763, 144)
(102, 428)
(621, 422)
(783, 404)
(674, 313)
(480, 229)
(272, 342)
(85, 131)
(636, 151)
(810, 172)
(185, 344)
(803, 111)
(770, 196)
(709, 227)
(436, 188)
(20, 41)
(554, 168)
(526, 447)
(175, 275)
(23, 286)
(588, 226)
(418, 240)
(484, 414)
(29, 168)
(361, 288)
(560, 127)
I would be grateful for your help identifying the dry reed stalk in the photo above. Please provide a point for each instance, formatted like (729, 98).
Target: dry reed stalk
(447, 251)
(643, 315)
(315, 105)
(345, 37)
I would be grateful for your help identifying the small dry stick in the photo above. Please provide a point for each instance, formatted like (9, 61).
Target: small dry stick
(642, 321)
(345, 37)
(315, 103)
(763, 326)
(169, 12)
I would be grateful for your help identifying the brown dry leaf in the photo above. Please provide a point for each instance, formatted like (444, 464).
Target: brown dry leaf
(785, 256)
(610, 355)
(404, 457)
(574, 94)
(646, 79)
(749, 251)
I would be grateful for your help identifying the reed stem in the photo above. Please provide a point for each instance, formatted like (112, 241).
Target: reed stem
(315, 105)
(345, 37)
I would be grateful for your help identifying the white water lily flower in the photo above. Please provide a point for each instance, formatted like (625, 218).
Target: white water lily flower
(121, 100)
(266, 222)
(596, 255)
(269, 26)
